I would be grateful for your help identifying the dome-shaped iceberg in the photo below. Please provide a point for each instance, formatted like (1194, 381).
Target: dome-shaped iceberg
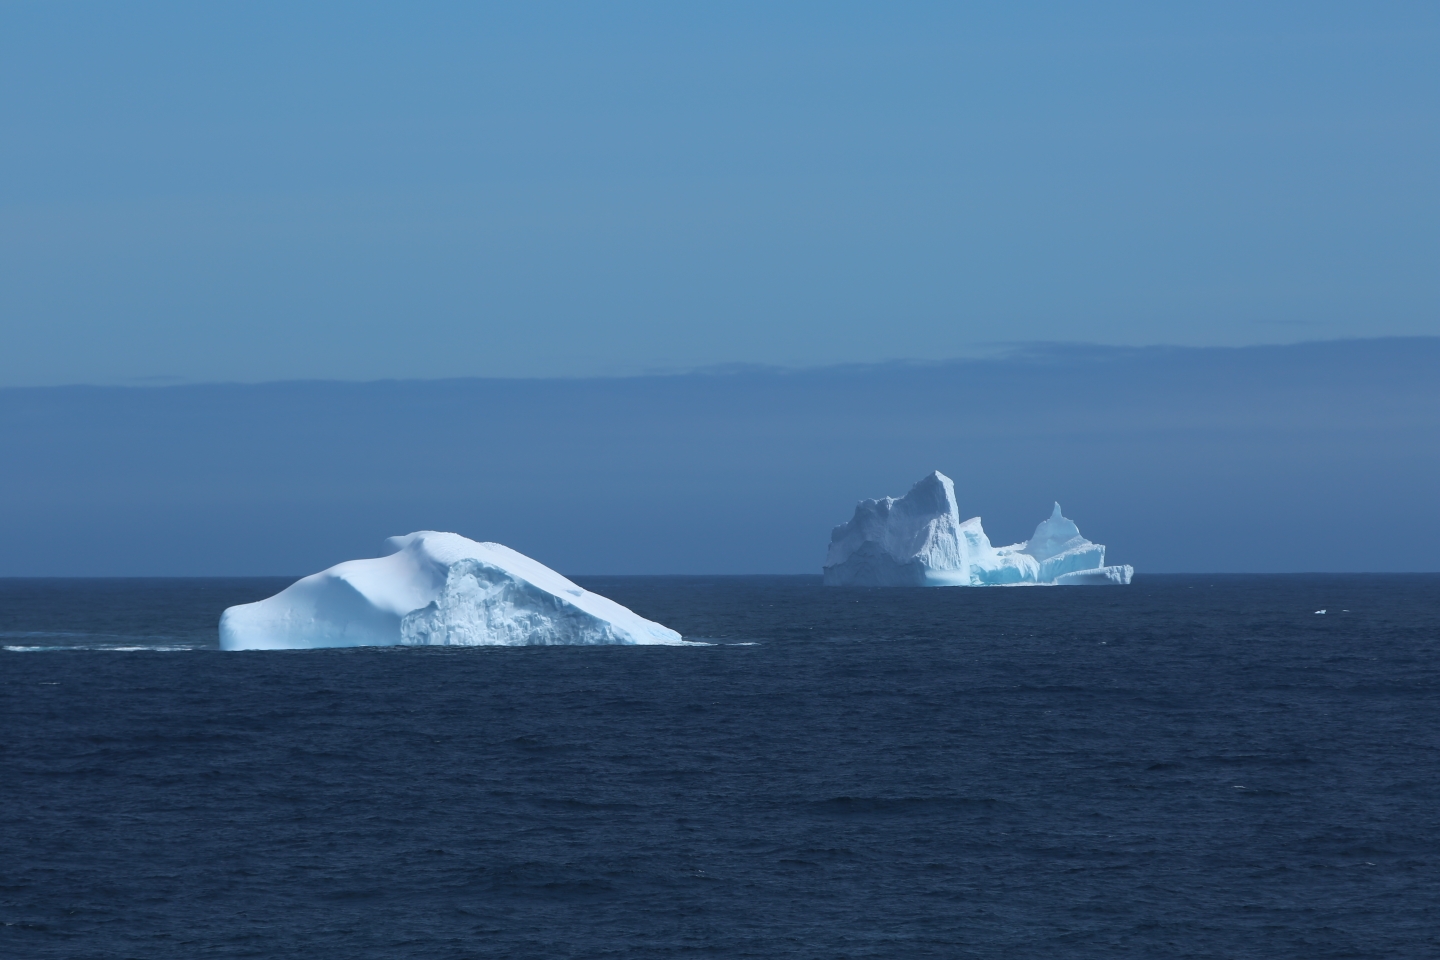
(919, 540)
(436, 589)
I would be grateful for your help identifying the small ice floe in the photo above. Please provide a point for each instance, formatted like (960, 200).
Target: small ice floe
(1319, 611)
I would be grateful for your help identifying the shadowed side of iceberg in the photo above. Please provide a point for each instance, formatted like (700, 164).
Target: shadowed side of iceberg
(872, 566)
(436, 589)
(483, 605)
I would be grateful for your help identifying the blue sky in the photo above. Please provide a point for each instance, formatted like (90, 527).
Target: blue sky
(255, 192)
(660, 288)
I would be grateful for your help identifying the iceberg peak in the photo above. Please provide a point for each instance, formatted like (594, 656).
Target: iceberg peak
(919, 540)
(1054, 536)
(934, 493)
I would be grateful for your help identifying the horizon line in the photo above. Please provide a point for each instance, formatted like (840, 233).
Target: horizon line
(1152, 573)
(988, 352)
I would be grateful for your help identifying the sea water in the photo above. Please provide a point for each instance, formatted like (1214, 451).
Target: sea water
(1186, 767)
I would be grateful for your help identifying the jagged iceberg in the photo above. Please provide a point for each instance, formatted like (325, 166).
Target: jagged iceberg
(919, 540)
(435, 589)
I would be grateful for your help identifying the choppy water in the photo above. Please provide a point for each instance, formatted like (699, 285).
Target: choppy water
(1190, 767)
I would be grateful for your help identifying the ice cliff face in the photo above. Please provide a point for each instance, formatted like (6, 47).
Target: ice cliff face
(919, 540)
(436, 589)
(897, 543)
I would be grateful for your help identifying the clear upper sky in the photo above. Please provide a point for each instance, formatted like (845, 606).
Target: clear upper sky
(260, 191)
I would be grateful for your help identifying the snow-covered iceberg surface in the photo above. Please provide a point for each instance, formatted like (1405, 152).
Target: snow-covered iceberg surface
(919, 540)
(435, 589)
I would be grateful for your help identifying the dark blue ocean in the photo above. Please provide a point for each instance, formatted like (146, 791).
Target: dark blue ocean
(1188, 767)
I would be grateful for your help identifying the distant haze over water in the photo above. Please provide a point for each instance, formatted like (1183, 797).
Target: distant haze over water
(1313, 457)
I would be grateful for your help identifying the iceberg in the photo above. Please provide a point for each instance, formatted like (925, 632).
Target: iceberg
(919, 540)
(436, 589)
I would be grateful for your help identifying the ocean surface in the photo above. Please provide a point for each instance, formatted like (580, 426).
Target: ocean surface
(1188, 767)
